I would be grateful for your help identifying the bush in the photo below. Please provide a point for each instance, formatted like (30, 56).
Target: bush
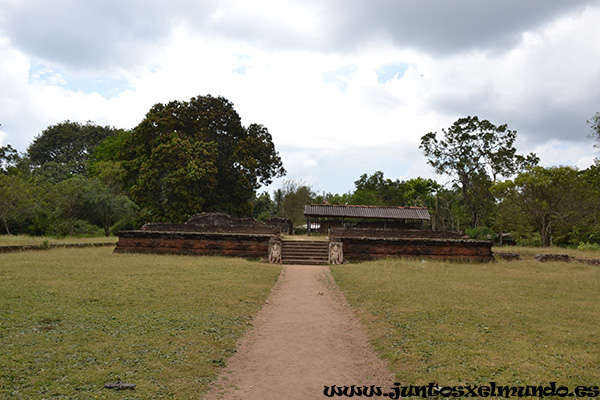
(532, 239)
(481, 233)
(75, 227)
(588, 246)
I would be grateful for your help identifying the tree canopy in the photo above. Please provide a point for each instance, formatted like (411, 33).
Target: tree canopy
(68, 145)
(191, 156)
(545, 195)
(9, 157)
(475, 153)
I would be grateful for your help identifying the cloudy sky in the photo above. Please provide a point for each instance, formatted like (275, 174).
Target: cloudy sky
(345, 87)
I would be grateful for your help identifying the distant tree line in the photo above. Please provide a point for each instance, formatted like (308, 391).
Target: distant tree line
(187, 157)
(493, 190)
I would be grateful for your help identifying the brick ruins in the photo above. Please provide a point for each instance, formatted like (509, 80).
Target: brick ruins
(219, 234)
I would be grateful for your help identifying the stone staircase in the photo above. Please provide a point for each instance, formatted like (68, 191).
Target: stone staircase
(305, 252)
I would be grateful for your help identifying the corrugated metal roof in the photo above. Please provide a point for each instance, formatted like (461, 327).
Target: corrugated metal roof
(328, 210)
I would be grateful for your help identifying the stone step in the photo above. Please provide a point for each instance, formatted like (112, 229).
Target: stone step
(304, 262)
(305, 252)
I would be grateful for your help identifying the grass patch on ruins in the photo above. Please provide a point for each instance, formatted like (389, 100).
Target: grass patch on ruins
(24, 240)
(72, 320)
(514, 323)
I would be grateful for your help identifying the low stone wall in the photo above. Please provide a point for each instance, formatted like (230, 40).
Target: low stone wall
(394, 233)
(362, 248)
(200, 243)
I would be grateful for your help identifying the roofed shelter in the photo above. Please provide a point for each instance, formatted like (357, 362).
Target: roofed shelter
(328, 216)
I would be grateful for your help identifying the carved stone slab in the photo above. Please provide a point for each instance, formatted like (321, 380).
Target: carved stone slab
(336, 253)
(275, 251)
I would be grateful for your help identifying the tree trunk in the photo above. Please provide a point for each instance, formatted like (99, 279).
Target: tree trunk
(464, 183)
(545, 231)
(6, 226)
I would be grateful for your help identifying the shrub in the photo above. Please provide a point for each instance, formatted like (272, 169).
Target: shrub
(588, 246)
(481, 233)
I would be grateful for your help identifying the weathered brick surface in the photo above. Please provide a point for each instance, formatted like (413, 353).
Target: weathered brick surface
(359, 249)
(236, 229)
(394, 233)
(225, 244)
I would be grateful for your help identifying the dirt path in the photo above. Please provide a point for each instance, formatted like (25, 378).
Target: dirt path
(304, 338)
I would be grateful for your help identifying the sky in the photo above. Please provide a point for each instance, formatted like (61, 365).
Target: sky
(345, 87)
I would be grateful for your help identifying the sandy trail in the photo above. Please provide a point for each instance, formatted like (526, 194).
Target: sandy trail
(304, 338)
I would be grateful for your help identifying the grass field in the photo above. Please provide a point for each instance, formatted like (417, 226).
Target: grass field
(23, 240)
(515, 323)
(530, 252)
(72, 320)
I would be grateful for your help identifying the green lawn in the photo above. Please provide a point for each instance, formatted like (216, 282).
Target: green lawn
(515, 323)
(72, 320)
(23, 240)
(530, 252)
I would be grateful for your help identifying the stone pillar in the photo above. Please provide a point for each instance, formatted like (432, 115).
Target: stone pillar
(336, 252)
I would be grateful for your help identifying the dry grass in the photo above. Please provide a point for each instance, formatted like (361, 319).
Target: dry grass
(21, 240)
(72, 320)
(515, 323)
(530, 252)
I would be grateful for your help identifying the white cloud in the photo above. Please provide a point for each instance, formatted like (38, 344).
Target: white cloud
(333, 114)
(556, 152)
(3, 136)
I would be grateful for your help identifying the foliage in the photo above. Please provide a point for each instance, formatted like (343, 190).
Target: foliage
(263, 207)
(475, 153)
(188, 157)
(481, 233)
(291, 199)
(336, 199)
(68, 144)
(15, 201)
(173, 182)
(104, 208)
(447, 210)
(546, 195)
(9, 157)
(421, 192)
(376, 190)
(104, 163)
(589, 247)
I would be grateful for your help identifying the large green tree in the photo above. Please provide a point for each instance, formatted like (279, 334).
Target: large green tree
(15, 201)
(68, 145)
(475, 153)
(376, 190)
(191, 156)
(291, 199)
(547, 196)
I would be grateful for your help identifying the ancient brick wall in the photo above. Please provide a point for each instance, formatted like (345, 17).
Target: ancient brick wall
(286, 224)
(239, 229)
(201, 243)
(394, 233)
(360, 249)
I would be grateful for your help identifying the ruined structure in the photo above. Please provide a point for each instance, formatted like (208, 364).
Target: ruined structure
(202, 234)
(219, 234)
(364, 244)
